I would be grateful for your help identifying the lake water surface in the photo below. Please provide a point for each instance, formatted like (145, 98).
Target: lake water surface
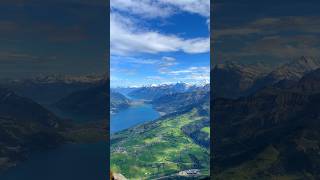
(68, 162)
(132, 116)
(79, 161)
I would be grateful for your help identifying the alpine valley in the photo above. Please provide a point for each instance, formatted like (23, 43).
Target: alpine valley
(167, 146)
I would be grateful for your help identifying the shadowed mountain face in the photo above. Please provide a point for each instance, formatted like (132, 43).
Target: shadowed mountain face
(25, 126)
(118, 102)
(233, 80)
(273, 133)
(90, 102)
(93, 102)
(171, 103)
(288, 72)
(25, 110)
(51, 88)
(309, 83)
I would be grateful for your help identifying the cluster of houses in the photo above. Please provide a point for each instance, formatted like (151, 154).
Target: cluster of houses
(119, 150)
(190, 172)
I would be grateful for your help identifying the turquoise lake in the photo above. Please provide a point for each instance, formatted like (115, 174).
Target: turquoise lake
(79, 161)
(132, 116)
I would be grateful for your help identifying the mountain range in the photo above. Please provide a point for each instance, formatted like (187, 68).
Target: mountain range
(118, 102)
(25, 126)
(175, 102)
(91, 102)
(166, 98)
(51, 88)
(273, 133)
(234, 80)
(156, 91)
(59, 78)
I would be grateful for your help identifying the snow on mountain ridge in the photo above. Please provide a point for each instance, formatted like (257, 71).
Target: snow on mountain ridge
(296, 69)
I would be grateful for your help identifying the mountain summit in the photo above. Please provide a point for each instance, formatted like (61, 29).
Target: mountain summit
(296, 69)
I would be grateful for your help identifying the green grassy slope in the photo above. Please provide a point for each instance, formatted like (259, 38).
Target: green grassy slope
(158, 148)
(262, 167)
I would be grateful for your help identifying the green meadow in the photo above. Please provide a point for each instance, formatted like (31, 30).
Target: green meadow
(159, 148)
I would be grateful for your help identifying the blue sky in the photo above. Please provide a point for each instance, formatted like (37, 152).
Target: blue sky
(159, 41)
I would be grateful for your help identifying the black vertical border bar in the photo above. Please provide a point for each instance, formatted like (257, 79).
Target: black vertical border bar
(211, 88)
(108, 87)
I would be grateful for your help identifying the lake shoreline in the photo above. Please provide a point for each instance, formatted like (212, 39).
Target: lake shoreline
(140, 112)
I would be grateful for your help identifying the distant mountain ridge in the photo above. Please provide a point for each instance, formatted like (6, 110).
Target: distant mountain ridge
(52, 87)
(234, 80)
(292, 71)
(156, 91)
(172, 96)
(58, 78)
(295, 70)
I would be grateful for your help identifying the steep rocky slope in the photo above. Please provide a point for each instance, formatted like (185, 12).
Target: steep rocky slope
(273, 133)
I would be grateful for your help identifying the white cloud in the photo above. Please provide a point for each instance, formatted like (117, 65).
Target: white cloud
(201, 7)
(168, 61)
(165, 63)
(191, 70)
(133, 60)
(162, 8)
(127, 38)
(194, 74)
(130, 38)
(144, 8)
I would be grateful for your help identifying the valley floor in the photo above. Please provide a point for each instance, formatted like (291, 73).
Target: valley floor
(158, 148)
